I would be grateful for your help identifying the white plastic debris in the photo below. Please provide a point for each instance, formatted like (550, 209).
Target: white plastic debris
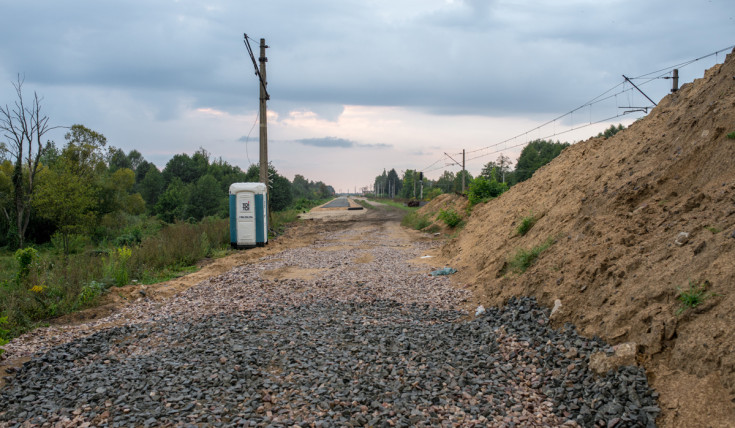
(557, 306)
(426, 257)
(479, 311)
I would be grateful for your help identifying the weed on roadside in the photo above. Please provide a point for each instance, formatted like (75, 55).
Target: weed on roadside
(713, 229)
(693, 296)
(523, 258)
(731, 135)
(415, 220)
(526, 224)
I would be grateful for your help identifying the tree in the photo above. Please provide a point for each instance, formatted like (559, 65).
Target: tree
(151, 186)
(172, 205)
(497, 170)
(66, 199)
(118, 159)
(458, 181)
(612, 130)
(535, 155)
(83, 153)
(446, 182)
(394, 184)
(205, 197)
(24, 126)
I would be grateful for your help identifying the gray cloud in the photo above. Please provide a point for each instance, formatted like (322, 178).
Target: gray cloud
(460, 57)
(327, 142)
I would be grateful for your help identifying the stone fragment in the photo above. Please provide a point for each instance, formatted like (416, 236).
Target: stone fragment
(682, 238)
(624, 355)
(556, 308)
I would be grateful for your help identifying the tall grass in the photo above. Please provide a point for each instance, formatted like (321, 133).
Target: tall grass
(56, 284)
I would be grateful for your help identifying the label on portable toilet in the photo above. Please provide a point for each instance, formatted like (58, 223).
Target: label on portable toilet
(245, 218)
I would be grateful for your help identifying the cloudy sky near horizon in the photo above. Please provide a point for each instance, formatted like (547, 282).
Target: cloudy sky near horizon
(356, 85)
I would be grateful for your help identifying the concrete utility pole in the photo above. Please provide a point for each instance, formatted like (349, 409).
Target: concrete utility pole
(263, 118)
(463, 173)
(675, 87)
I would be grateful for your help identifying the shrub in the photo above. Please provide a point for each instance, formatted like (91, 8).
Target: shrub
(694, 296)
(482, 190)
(432, 193)
(450, 217)
(731, 135)
(415, 220)
(25, 258)
(526, 224)
(523, 259)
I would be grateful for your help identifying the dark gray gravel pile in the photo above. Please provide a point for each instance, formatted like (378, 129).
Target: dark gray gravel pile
(331, 364)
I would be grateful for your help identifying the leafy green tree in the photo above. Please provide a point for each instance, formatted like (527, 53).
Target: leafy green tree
(458, 181)
(118, 160)
(83, 153)
(612, 130)
(535, 155)
(205, 198)
(409, 185)
(446, 182)
(183, 167)
(151, 186)
(172, 204)
(67, 199)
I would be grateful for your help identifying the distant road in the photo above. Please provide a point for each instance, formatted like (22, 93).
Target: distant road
(340, 202)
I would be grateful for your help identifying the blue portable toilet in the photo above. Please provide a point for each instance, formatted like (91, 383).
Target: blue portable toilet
(248, 215)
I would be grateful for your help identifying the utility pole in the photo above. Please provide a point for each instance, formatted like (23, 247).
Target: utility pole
(675, 87)
(263, 117)
(463, 173)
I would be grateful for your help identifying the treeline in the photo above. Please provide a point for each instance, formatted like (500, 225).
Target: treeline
(87, 188)
(495, 177)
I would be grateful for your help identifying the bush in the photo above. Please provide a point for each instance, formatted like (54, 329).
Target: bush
(450, 217)
(526, 224)
(25, 258)
(432, 193)
(482, 190)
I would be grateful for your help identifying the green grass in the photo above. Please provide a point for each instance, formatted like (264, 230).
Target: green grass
(395, 204)
(526, 224)
(731, 135)
(414, 220)
(523, 259)
(365, 204)
(694, 296)
(713, 229)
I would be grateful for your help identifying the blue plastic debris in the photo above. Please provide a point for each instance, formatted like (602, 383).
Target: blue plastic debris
(444, 271)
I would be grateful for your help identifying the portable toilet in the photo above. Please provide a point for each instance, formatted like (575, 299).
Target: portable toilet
(248, 215)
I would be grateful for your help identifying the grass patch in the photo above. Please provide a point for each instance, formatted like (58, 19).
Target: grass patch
(713, 229)
(280, 219)
(414, 220)
(693, 296)
(526, 224)
(523, 259)
(731, 135)
(365, 204)
(399, 205)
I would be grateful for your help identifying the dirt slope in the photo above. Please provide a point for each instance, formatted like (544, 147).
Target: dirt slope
(615, 208)
(446, 201)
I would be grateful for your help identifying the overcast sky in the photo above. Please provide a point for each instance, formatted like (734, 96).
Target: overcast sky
(356, 85)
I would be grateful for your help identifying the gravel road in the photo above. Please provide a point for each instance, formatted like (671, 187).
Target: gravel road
(344, 332)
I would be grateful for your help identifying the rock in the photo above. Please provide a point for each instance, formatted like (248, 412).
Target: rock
(624, 355)
(479, 311)
(699, 248)
(732, 235)
(682, 238)
(556, 308)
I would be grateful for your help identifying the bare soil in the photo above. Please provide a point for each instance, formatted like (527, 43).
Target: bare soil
(614, 208)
